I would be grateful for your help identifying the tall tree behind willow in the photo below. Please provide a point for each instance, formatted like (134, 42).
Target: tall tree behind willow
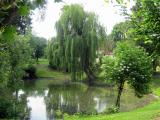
(38, 45)
(78, 36)
(121, 31)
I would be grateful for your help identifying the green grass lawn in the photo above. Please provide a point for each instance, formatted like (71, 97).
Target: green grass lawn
(156, 85)
(43, 61)
(157, 91)
(43, 71)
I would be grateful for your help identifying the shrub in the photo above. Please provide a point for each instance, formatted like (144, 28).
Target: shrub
(111, 110)
(58, 114)
(30, 72)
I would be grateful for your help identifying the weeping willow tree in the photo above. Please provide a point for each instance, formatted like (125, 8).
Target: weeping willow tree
(78, 38)
(53, 54)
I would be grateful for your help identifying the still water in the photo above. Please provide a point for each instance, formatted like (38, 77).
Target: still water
(45, 100)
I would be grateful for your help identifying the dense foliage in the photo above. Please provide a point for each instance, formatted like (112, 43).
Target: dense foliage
(54, 54)
(145, 19)
(14, 55)
(121, 31)
(14, 59)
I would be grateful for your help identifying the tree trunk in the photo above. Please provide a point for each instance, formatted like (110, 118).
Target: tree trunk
(87, 69)
(16, 94)
(120, 89)
(90, 76)
(37, 59)
(154, 65)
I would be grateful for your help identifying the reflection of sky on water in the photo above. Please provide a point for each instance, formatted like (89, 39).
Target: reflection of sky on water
(37, 104)
(100, 104)
(38, 108)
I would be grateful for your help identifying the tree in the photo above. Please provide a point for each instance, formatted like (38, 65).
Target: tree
(14, 21)
(130, 64)
(145, 19)
(78, 39)
(38, 46)
(4, 66)
(15, 57)
(17, 12)
(19, 58)
(121, 31)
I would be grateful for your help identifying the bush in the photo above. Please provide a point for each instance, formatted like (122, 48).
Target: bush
(30, 72)
(58, 114)
(107, 67)
(11, 108)
(111, 110)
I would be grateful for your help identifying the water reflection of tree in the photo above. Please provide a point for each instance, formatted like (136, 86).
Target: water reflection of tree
(13, 105)
(31, 89)
(72, 100)
(61, 98)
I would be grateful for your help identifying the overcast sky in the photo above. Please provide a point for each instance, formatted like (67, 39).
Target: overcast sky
(108, 15)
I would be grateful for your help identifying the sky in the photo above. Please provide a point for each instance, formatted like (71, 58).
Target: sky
(108, 15)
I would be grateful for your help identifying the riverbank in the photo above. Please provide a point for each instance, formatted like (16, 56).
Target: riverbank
(148, 112)
(43, 71)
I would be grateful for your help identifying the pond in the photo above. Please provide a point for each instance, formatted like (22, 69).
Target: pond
(47, 99)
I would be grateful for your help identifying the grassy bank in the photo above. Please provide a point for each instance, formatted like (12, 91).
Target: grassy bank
(47, 76)
(43, 71)
(157, 91)
(156, 85)
(149, 112)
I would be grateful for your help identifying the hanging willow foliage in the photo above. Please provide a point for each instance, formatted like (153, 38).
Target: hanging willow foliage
(77, 41)
(53, 54)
